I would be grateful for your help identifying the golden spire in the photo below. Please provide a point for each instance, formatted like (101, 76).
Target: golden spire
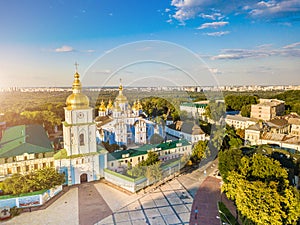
(77, 100)
(110, 104)
(76, 83)
(120, 86)
(102, 107)
(121, 98)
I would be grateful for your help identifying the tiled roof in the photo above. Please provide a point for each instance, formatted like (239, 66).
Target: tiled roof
(102, 120)
(187, 127)
(295, 121)
(22, 139)
(277, 122)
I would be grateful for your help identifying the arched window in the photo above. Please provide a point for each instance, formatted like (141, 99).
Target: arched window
(81, 139)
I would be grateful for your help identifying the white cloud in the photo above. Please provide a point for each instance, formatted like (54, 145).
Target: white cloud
(167, 10)
(217, 34)
(293, 45)
(213, 25)
(213, 16)
(215, 71)
(272, 9)
(209, 9)
(291, 50)
(64, 48)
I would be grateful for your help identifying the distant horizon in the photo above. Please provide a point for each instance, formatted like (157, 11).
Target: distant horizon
(186, 86)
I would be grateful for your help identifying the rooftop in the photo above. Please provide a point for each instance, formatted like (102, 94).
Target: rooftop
(143, 150)
(22, 139)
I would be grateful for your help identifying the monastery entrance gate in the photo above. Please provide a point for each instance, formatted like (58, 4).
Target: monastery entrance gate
(83, 178)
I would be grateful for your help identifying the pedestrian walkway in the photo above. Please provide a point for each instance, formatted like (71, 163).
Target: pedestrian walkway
(92, 206)
(205, 209)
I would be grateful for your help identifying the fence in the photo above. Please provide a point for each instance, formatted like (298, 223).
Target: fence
(30, 199)
(134, 185)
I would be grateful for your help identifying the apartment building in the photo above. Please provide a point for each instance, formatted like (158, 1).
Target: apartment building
(267, 109)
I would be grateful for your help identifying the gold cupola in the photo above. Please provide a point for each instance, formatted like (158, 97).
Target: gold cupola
(121, 98)
(102, 107)
(110, 105)
(139, 105)
(134, 108)
(77, 100)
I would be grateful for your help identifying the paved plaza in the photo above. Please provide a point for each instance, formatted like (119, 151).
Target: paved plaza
(169, 204)
(97, 203)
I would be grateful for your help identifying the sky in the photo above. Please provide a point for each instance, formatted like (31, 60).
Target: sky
(157, 42)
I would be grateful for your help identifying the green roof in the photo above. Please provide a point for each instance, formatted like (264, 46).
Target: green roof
(22, 139)
(172, 144)
(143, 150)
(130, 152)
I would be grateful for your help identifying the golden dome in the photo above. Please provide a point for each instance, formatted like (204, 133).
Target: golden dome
(102, 107)
(139, 105)
(121, 98)
(134, 106)
(110, 104)
(77, 100)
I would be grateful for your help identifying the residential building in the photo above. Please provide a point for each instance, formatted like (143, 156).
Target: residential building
(295, 126)
(253, 133)
(186, 130)
(118, 161)
(239, 122)
(23, 149)
(267, 109)
(194, 109)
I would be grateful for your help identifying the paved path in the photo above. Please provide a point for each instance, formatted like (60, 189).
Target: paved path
(92, 206)
(205, 202)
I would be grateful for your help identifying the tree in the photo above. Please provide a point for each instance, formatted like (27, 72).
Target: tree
(246, 110)
(47, 178)
(198, 151)
(215, 111)
(153, 172)
(38, 180)
(240, 133)
(16, 184)
(236, 102)
(152, 158)
(229, 160)
(261, 191)
(156, 139)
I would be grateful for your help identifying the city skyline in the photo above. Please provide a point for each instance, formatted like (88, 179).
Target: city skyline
(246, 42)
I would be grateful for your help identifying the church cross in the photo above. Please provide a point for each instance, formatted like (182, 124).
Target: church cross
(76, 66)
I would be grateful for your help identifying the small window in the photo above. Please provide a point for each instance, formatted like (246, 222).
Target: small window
(81, 139)
(112, 164)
